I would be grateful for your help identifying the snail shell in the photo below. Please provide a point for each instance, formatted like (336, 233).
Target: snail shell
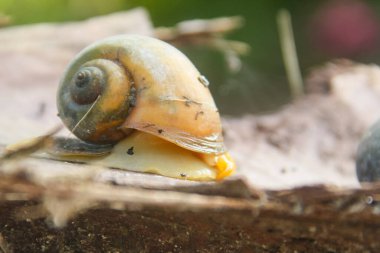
(132, 82)
(368, 155)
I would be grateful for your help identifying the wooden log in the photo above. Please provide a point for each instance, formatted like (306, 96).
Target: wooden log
(272, 204)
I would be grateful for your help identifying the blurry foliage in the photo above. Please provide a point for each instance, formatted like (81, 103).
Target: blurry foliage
(35, 11)
(260, 85)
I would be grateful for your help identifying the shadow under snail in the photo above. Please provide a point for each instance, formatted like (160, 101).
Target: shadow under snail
(138, 103)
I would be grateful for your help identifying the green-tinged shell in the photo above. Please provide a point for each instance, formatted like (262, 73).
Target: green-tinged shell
(132, 82)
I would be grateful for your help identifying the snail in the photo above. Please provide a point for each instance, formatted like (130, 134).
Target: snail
(138, 103)
(368, 155)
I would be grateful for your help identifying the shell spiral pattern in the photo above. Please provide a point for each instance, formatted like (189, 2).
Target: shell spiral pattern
(132, 82)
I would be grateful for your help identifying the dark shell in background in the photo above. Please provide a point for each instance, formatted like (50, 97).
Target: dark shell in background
(368, 156)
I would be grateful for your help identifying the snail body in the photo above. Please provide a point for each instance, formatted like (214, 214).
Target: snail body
(130, 83)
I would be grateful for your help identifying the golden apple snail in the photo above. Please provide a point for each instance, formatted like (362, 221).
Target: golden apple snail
(145, 100)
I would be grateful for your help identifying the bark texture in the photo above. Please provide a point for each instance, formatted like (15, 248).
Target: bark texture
(295, 189)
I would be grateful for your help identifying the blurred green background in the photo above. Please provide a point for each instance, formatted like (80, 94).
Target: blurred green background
(323, 30)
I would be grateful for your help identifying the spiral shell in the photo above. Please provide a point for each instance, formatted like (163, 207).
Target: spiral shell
(132, 82)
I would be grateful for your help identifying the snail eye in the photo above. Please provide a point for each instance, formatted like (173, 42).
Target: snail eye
(87, 84)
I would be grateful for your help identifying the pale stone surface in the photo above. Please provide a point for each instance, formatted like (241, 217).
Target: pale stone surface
(313, 140)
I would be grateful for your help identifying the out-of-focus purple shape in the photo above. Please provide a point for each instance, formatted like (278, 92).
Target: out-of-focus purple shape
(344, 28)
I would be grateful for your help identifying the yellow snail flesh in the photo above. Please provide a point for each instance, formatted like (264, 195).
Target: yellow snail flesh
(147, 99)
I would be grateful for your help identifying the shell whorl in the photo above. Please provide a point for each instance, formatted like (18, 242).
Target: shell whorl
(94, 99)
